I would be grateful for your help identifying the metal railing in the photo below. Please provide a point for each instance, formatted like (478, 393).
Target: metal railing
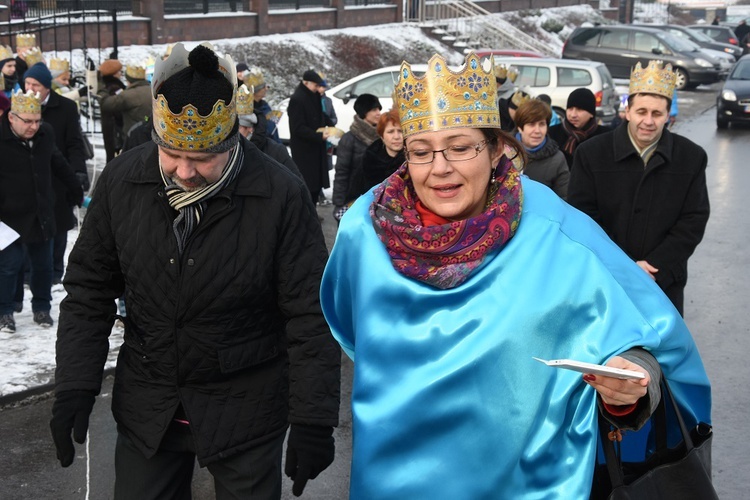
(471, 25)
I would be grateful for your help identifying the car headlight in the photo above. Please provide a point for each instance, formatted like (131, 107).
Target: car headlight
(728, 50)
(728, 95)
(703, 63)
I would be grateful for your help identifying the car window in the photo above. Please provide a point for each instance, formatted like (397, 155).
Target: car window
(644, 42)
(573, 77)
(533, 76)
(614, 40)
(606, 76)
(588, 37)
(741, 71)
(700, 36)
(680, 44)
(378, 85)
(678, 33)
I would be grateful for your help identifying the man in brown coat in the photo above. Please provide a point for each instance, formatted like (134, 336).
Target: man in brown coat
(133, 103)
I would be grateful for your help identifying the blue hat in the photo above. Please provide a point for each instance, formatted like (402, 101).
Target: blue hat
(40, 73)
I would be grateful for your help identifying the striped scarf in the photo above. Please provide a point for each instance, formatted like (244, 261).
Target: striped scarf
(191, 205)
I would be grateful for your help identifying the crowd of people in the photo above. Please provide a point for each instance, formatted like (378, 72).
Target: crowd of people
(474, 234)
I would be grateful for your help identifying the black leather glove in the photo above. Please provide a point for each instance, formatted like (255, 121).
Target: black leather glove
(90, 64)
(83, 180)
(310, 450)
(83, 91)
(70, 412)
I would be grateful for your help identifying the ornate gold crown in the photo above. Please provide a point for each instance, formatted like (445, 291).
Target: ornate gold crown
(654, 79)
(443, 99)
(24, 40)
(137, 72)
(30, 102)
(33, 56)
(254, 78)
(188, 130)
(5, 52)
(519, 97)
(245, 104)
(505, 72)
(59, 65)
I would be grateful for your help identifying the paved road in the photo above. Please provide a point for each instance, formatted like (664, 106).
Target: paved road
(716, 311)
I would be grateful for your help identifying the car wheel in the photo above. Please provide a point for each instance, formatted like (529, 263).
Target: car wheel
(721, 123)
(681, 81)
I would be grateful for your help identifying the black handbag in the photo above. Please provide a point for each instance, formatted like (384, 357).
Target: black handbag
(679, 473)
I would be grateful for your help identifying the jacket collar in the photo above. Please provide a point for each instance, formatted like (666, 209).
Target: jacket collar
(623, 148)
(253, 179)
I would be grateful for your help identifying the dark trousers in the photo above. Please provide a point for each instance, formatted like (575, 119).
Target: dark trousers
(251, 474)
(11, 262)
(58, 256)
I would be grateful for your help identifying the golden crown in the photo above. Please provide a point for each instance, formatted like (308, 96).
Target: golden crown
(654, 79)
(444, 99)
(245, 104)
(59, 65)
(505, 72)
(254, 78)
(2, 81)
(519, 97)
(25, 40)
(5, 52)
(188, 130)
(30, 102)
(137, 72)
(33, 56)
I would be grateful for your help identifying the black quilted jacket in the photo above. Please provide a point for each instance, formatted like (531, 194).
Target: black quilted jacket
(232, 328)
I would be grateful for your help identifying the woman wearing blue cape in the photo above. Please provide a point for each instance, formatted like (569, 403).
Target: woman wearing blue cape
(449, 277)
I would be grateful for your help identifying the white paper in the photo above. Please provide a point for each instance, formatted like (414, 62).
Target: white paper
(7, 235)
(582, 367)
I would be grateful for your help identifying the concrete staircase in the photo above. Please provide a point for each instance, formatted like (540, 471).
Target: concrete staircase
(466, 26)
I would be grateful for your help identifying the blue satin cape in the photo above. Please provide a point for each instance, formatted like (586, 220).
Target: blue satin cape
(447, 402)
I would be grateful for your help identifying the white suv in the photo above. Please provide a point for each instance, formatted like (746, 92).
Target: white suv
(559, 77)
(379, 82)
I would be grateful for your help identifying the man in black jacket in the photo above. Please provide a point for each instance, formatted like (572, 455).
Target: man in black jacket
(62, 115)
(645, 185)
(220, 255)
(579, 124)
(30, 161)
(308, 144)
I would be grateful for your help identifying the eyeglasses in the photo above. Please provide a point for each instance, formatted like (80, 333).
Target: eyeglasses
(451, 153)
(28, 122)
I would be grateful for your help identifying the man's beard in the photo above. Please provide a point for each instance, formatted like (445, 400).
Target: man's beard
(193, 184)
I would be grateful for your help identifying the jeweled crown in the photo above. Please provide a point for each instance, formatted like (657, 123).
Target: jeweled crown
(59, 65)
(505, 72)
(254, 78)
(135, 71)
(30, 102)
(656, 78)
(245, 104)
(33, 56)
(5, 52)
(443, 99)
(188, 130)
(24, 40)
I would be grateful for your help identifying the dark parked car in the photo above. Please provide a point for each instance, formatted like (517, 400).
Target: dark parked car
(723, 34)
(621, 47)
(699, 39)
(733, 102)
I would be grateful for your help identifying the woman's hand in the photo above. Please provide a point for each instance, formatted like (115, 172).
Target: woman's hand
(619, 392)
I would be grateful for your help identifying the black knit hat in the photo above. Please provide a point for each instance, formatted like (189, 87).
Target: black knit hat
(583, 99)
(312, 76)
(364, 103)
(201, 84)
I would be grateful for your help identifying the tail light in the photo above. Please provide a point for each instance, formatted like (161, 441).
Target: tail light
(565, 44)
(599, 96)
(734, 41)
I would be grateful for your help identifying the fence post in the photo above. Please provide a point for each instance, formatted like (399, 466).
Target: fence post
(114, 32)
(154, 10)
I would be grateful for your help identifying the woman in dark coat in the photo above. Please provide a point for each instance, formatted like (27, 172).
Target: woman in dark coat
(385, 155)
(545, 162)
(348, 183)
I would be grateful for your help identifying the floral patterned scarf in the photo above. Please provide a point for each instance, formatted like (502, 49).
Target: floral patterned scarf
(444, 256)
